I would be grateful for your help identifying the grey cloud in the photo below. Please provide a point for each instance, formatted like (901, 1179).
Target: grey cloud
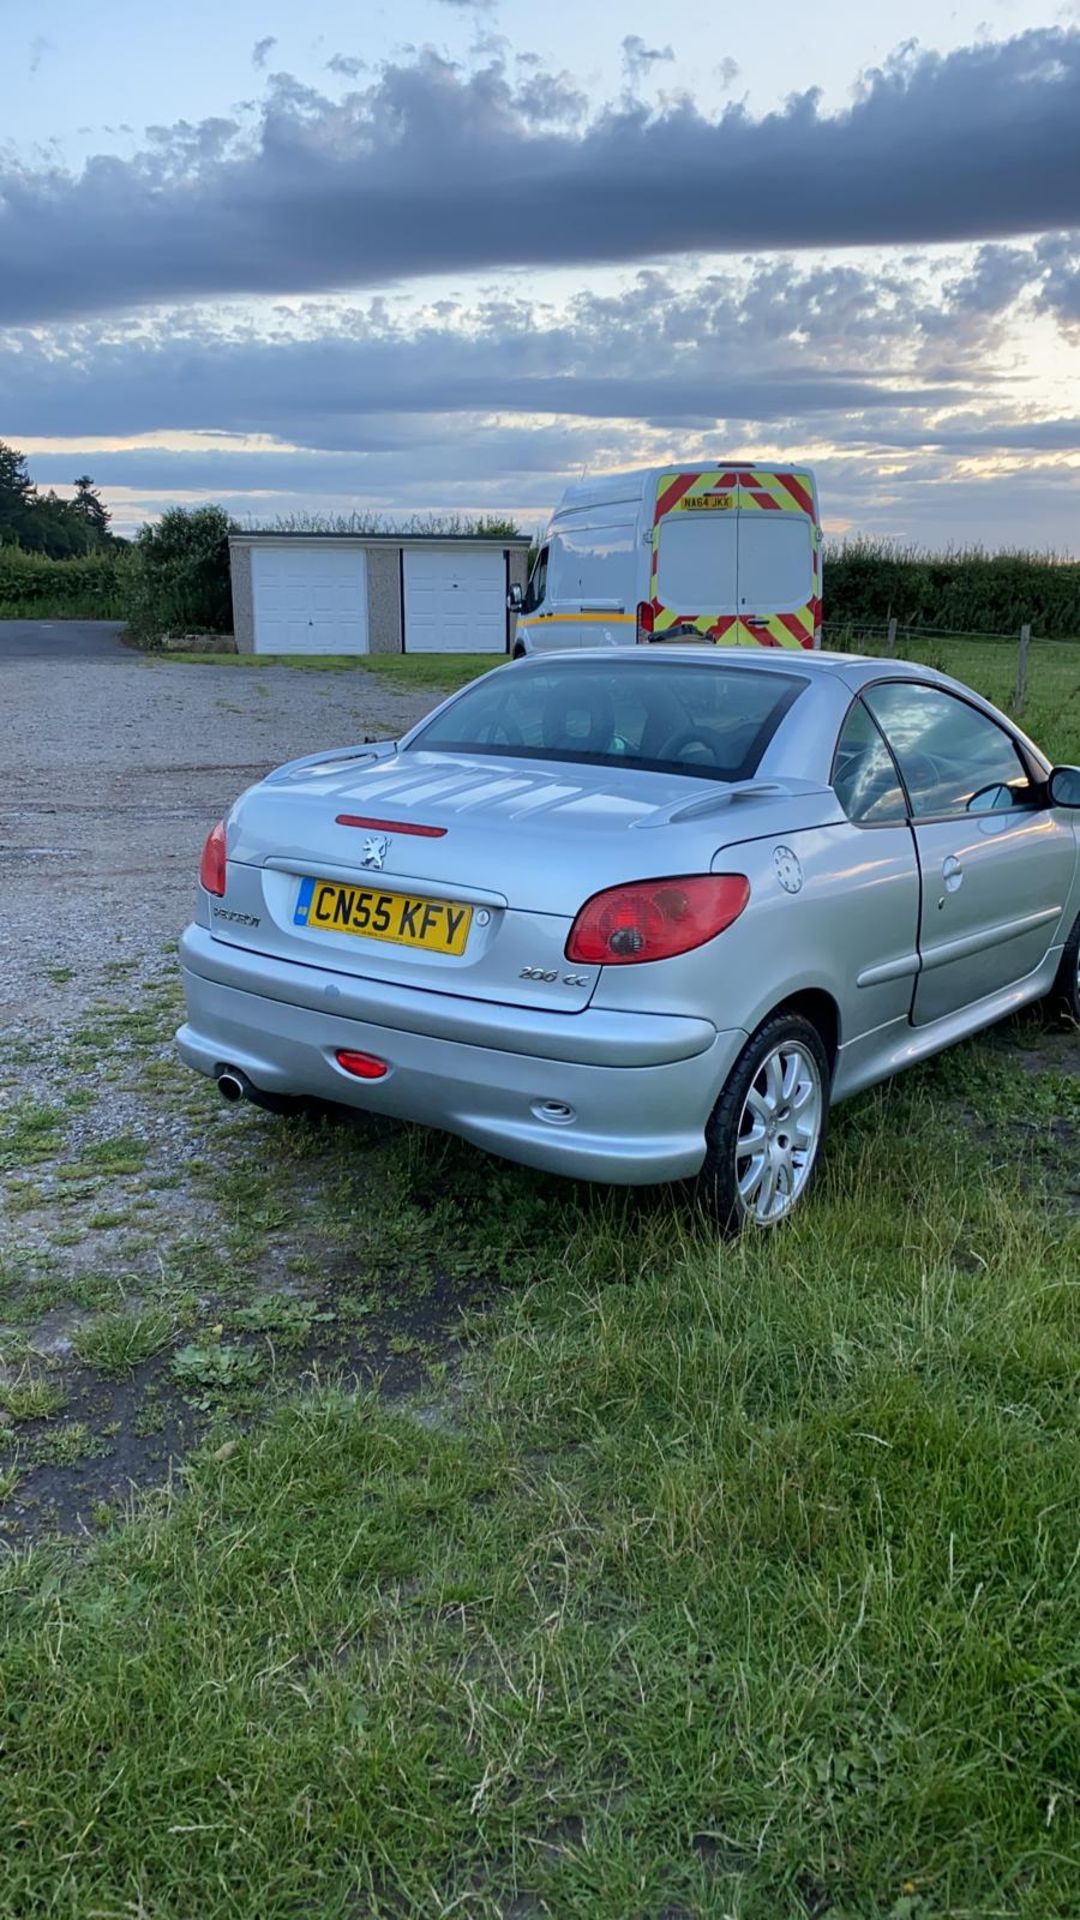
(726, 71)
(348, 65)
(523, 457)
(638, 58)
(432, 169)
(261, 51)
(964, 433)
(1059, 256)
(926, 500)
(448, 409)
(978, 304)
(999, 278)
(318, 391)
(789, 343)
(1037, 510)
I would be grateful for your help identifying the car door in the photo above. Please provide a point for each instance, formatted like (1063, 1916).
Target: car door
(995, 861)
(876, 882)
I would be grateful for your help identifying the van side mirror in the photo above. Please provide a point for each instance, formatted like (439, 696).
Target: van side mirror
(1065, 787)
(514, 599)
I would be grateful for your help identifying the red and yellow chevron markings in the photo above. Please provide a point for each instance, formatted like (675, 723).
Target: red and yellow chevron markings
(743, 490)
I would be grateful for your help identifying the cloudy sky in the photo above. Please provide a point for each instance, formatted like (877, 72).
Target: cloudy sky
(449, 253)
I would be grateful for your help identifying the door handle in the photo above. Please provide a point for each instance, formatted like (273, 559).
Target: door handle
(952, 873)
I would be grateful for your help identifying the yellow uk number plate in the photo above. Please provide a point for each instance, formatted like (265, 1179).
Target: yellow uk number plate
(706, 502)
(327, 906)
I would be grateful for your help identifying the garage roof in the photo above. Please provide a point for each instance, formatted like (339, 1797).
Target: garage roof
(499, 540)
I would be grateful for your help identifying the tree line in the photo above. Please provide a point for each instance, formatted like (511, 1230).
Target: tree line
(44, 523)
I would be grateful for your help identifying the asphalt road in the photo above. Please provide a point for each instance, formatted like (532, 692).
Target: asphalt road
(61, 640)
(113, 766)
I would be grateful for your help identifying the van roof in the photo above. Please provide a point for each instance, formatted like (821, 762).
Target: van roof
(603, 489)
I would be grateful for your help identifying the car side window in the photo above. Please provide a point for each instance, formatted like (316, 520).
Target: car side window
(954, 759)
(537, 587)
(865, 779)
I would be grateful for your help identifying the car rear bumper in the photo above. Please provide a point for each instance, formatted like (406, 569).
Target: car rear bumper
(638, 1088)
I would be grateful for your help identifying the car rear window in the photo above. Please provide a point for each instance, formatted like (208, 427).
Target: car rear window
(711, 721)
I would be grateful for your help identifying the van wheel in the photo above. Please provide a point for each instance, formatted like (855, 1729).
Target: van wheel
(766, 1131)
(1065, 998)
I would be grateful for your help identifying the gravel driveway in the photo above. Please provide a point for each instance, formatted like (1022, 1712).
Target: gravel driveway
(115, 764)
(166, 1261)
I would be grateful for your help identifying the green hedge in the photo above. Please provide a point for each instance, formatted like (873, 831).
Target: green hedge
(964, 591)
(33, 587)
(179, 580)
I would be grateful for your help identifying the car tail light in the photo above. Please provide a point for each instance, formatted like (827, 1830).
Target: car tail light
(646, 619)
(363, 1066)
(212, 864)
(654, 919)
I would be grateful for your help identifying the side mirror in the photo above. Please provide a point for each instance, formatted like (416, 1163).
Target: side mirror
(514, 598)
(1065, 787)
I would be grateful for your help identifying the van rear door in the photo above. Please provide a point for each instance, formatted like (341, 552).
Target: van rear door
(695, 555)
(779, 560)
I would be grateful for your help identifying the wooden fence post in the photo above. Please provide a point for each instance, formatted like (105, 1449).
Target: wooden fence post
(890, 644)
(1020, 689)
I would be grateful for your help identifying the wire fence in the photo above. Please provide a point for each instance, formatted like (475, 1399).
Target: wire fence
(911, 642)
(918, 630)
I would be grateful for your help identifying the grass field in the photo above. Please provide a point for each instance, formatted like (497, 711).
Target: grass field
(691, 1580)
(1052, 706)
(443, 672)
(989, 665)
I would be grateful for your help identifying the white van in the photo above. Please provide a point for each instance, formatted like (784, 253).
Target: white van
(728, 554)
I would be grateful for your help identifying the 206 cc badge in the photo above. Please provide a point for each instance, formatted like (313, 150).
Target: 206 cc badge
(788, 869)
(375, 851)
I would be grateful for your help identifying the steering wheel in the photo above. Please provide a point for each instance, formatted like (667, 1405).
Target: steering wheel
(707, 737)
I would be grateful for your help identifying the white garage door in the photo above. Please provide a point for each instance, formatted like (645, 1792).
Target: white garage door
(455, 600)
(309, 599)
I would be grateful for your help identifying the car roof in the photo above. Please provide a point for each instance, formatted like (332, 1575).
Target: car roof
(853, 667)
(851, 671)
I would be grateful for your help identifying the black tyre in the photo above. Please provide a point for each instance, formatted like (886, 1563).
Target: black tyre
(1066, 994)
(767, 1129)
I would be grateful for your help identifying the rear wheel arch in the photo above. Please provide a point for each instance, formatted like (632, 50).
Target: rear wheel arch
(819, 1007)
(815, 1004)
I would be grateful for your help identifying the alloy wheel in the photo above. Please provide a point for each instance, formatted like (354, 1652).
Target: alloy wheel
(779, 1133)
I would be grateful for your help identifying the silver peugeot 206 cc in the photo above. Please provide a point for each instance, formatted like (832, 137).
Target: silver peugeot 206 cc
(639, 917)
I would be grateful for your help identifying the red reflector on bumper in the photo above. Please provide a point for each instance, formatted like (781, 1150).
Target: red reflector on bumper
(365, 1066)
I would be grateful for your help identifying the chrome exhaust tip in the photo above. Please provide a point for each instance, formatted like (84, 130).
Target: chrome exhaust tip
(232, 1084)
